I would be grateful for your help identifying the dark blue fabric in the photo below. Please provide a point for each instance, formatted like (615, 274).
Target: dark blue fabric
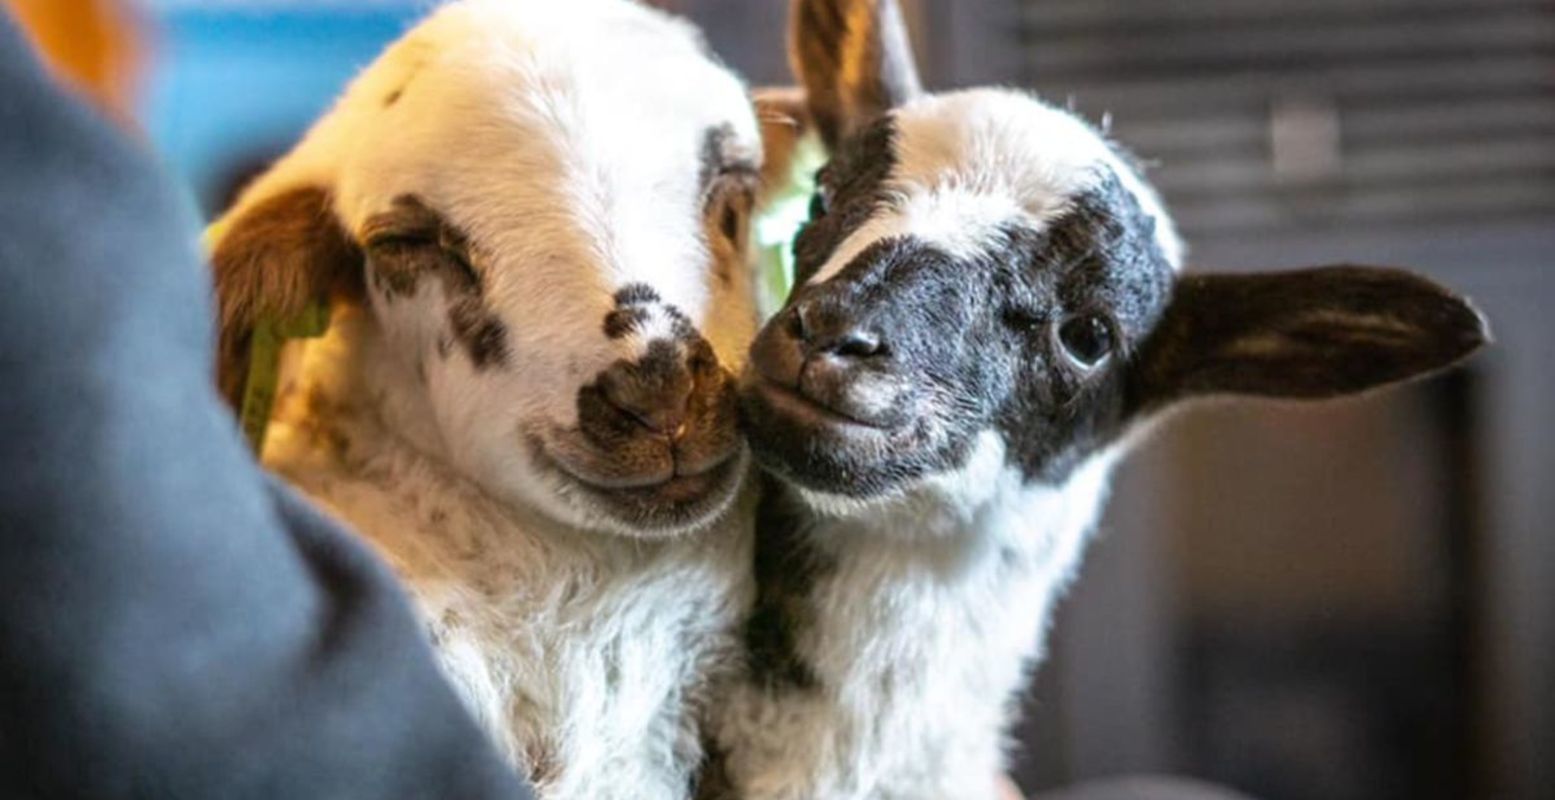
(172, 623)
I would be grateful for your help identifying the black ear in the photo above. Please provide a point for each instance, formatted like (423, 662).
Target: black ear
(1311, 334)
(854, 60)
(271, 262)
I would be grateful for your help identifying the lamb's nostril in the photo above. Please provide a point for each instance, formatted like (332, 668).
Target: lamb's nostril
(857, 344)
(795, 323)
(849, 344)
(831, 328)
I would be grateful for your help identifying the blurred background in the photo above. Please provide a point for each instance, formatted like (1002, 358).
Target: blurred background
(1347, 601)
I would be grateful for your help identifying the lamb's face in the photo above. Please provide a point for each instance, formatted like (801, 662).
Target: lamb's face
(976, 263)
(551, 205)
(988, 295)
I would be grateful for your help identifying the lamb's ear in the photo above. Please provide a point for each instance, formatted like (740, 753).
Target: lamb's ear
(854, 59)
(785, 121)
(271, 262)
(1310, 334)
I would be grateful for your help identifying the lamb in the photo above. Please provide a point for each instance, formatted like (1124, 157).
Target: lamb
(988, 310)
(535, 252)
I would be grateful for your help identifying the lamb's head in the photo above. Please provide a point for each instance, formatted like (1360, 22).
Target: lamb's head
(535, 214)
(987, 289)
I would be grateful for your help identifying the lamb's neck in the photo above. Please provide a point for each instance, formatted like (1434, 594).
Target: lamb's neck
(983, 522)
(892, 638)
(955, 609)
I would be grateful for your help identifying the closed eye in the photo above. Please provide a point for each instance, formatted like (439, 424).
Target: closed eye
(389, 246)
(1025, 319)
(399, 240)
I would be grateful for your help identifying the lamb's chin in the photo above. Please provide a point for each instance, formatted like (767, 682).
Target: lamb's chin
(675, 506)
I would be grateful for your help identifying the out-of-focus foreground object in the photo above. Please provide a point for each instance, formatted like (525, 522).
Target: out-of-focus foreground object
(95, 45)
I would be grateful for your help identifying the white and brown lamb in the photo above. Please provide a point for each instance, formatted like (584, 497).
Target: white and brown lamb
(531, 220)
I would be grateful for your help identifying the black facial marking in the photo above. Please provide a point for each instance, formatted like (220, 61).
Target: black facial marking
(412, 241)
(1108, 266)
(397, 268)
(632, 312)
(723, 155)
(621, 322)
(787, 567)
(914, 302)
(680, 324)
(958, 345)
(636, 294)
(482, 334)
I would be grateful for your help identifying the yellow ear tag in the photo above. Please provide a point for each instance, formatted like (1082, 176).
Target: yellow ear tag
(264, 367)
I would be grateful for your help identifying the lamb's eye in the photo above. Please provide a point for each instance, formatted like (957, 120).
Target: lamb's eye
(1087, 338)
(820, 202)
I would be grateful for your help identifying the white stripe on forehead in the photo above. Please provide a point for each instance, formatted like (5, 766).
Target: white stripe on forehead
(970, 162)
(959, 222)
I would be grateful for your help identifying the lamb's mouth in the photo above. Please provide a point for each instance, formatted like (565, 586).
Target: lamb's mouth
(659, 503)
(820, 448)
(791, 403)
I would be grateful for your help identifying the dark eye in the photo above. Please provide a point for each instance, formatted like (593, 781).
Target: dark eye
(729, 223)
(1087, 338)
(820, 202)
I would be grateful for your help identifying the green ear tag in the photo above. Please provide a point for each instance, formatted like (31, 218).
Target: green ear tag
(779, 222)
(264, 367)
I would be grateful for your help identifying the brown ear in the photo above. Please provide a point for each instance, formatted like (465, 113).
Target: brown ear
(1303, 334)
(271, 263)
(785, 121)
(854, 59)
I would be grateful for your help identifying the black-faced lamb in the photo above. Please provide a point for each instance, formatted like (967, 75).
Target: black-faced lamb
(530, 219)
(988, 307)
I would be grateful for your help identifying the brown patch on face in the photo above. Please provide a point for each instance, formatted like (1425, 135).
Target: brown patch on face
(724, 155)
(281, 255)
(636, 294)
(408, 242)
(411, 242)
(482, 333)
(656, 435)
(730, 176)
(634, 307)
(622, 321)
